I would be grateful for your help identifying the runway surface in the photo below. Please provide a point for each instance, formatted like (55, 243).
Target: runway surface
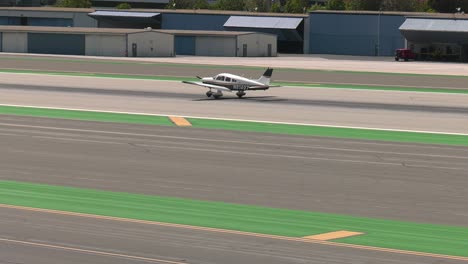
(410, 182)
(173, 67)
(420, 183)
(337, 107)
(39, 238)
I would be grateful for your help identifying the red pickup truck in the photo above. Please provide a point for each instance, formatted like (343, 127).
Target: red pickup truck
(405, 54)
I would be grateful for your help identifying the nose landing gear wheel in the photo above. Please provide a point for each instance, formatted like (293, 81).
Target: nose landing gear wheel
(240, 94)
(209, 94)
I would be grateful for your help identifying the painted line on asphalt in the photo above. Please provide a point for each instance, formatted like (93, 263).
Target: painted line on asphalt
(292, 84)
(333, 235)
(180, 121)
(234, 232)
(93, 252)
(239, 120)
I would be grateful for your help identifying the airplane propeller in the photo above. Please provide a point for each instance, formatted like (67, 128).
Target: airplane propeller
(199, 77)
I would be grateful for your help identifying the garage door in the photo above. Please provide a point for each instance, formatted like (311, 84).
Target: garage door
(46, 43)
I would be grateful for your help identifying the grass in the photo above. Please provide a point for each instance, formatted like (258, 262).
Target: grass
(439, 239)
(246, 126)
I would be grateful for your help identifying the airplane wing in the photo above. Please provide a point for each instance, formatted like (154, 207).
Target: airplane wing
(211, 86)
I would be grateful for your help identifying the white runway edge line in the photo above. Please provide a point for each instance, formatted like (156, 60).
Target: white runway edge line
(233, 119)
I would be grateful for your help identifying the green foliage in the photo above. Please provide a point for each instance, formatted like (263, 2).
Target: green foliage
(295, 6)
(318, 7)
(235, 5)
(335, 5)
(276, 7)
(123, 6)
(256, 5)
(74, 3)
(448, 6)
(201, 4)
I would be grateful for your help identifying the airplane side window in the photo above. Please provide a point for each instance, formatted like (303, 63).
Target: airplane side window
(228, 79)
(234, 80)
(219, 78)
(222, 78)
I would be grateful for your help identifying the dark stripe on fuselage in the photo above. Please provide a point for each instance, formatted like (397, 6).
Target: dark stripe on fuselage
(237, 86)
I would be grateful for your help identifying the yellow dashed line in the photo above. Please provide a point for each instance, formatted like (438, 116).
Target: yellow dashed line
(179, 121)
(333, 235)
(234, 232)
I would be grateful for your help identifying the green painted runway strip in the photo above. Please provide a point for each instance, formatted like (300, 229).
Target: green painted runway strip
(440, 239)
(353, 133)
(297, 84)
(86, 115)
(305, 130)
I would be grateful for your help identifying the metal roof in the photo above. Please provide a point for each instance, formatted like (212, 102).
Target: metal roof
(263, 22)
(445, 25)
(105, 13)
(423, 30)
(73, 30)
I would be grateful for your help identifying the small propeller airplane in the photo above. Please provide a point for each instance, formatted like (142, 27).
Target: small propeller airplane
(226, 82)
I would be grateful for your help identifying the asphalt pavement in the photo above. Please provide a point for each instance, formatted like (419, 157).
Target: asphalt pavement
(172, 68)
(41, 238)
(411, 182)
(435, 112)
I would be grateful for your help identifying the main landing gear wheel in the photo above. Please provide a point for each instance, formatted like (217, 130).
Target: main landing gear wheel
(240, 94)
(209, 93)
(217, 96)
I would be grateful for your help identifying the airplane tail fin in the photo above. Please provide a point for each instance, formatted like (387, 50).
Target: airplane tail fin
(266, 77)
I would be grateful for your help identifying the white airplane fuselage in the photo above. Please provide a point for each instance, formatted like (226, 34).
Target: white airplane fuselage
(235, 82)
(227, 82)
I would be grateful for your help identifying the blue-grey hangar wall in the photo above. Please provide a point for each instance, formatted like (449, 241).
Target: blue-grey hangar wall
(355, 33)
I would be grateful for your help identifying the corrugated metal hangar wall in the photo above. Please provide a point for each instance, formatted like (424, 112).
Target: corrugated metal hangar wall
(97, 42)
(227, 44)
(361, 34)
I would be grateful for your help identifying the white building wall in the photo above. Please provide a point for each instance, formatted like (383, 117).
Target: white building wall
(216, 46)
(152, 44)
(15, 42)
(106, 45)
(257, 45)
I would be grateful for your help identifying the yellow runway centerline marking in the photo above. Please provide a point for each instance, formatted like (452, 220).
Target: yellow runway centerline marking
(333, 235)
(234, 232)
(180, 121)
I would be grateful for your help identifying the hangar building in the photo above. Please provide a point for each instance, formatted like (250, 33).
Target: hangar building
(120, 42)
(86, 41)
(224, 43)
(436, 38)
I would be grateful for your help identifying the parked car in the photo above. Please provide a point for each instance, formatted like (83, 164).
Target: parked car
(405, 54)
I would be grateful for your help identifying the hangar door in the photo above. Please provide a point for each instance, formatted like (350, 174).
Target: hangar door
(185, 45)
(216, 46)
(47, 43)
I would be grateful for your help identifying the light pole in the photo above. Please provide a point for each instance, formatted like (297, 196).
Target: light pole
(378, 32)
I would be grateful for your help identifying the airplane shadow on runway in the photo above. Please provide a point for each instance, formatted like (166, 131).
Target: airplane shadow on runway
(267, 99)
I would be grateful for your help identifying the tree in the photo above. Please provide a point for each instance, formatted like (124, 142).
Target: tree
(201, 4)
(74, 3)
(182, 4)
(295, 6)
(363, 4)
(276, 7)
(335, 5)
(235, 5)
(123, 6)
(255, 5)
(448, 6)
